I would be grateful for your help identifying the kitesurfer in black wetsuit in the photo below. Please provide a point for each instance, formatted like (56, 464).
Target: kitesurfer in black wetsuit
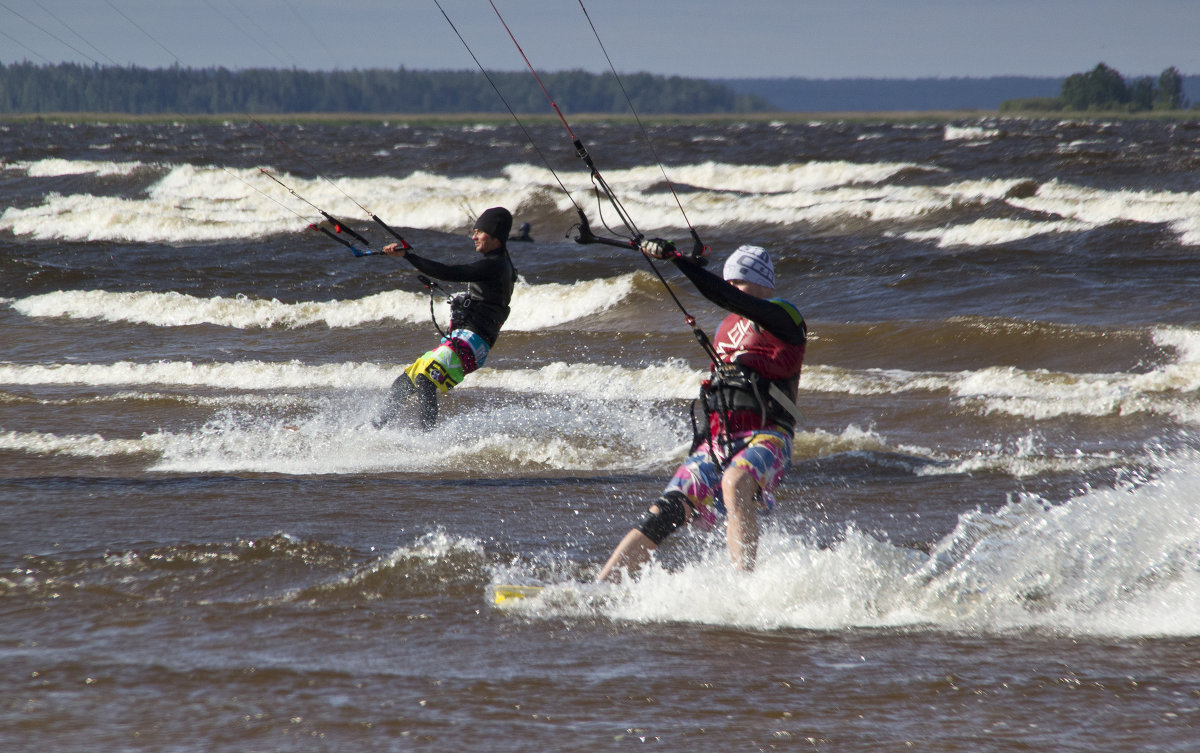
(749, 399)
(476, 317)
(523, 234)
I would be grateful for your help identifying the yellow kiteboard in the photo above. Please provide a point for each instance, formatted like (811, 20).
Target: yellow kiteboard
(505, 593)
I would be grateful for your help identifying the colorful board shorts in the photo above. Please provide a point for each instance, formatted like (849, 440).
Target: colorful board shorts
(765, 454)
(460, 353)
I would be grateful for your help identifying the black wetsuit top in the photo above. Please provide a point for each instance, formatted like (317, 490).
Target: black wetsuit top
(771, 316)
(491, 278)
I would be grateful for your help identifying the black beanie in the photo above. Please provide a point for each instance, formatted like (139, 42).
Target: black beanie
(496, 222)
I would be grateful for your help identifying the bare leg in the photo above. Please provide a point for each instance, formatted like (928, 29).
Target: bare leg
(739, 490)
(633, 552)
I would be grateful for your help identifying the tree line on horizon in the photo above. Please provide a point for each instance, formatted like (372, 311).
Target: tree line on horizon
(26, 88)
(1103, 89)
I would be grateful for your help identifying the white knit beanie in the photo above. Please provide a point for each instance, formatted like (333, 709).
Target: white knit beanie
(752, 264)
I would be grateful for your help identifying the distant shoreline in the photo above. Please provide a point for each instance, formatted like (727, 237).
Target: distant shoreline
(501, 118)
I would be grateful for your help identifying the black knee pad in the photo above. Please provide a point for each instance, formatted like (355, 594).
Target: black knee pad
(671, 514)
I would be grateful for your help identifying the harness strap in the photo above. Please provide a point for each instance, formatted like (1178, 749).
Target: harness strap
(736, 388)
(787, 403)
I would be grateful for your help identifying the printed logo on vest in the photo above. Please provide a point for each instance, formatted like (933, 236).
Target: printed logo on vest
(734, 339)
(436, 373)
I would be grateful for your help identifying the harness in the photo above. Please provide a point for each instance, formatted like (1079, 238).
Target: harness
(740, 399)
(479, 308)
(751, 385)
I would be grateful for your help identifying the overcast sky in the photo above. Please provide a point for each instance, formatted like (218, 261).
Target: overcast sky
(702, 38)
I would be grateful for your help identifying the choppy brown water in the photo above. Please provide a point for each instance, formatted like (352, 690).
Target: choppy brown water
(989, 540)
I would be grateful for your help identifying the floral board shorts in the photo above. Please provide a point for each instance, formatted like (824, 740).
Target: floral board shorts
(765, 454)
(460, 353)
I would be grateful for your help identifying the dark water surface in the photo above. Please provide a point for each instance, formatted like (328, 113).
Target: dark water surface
(989, 540)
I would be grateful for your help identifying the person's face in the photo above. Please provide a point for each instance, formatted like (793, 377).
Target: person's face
(484, 242)
(758, 291)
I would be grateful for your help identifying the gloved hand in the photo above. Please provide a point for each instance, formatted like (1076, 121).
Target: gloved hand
(659, 248)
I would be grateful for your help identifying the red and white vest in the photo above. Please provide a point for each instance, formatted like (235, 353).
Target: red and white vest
(739, 399)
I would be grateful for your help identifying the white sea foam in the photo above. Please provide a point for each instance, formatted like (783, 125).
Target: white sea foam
(329, 406)
(1097, 206)
(992, 232)
(172, 309)
(535, 307)
(770, 179)
(1022, 457)
(543, 417)
(538, 307)
(288, 400)
(503, 436)
(991, 189)
(1067, 208)
(1043, 394)
(667, 381)
(1189, 230)
(1168, 389)
(1080, 145)
(1185, 343)
(237, 376)
(672, 380)
(191, 203)
(1123, 561)
(539, 418)
(54, 167)
(969, 133)
(852, 439)
(88, 446)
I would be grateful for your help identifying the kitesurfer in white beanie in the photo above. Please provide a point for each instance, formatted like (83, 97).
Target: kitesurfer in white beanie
(749, 400)
(752, 264)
